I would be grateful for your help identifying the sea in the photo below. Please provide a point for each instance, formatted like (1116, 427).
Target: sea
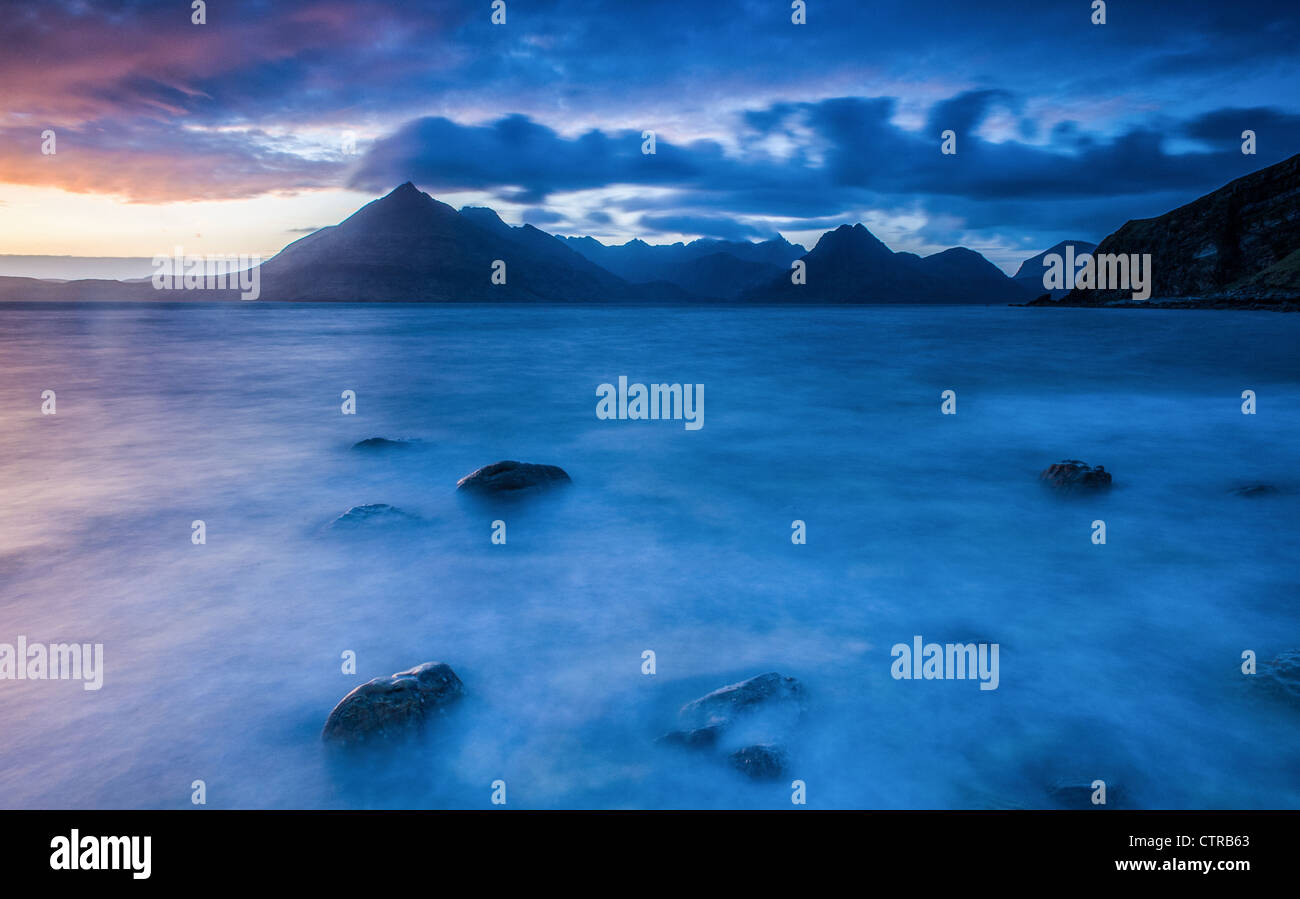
(828, 510)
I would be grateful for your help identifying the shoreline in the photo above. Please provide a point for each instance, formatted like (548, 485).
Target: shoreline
(1292, 305)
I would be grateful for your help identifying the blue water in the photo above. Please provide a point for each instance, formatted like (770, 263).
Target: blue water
(222, 660)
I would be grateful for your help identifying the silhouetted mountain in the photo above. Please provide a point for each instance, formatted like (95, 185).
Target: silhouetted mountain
(15, 289)
(408, 246)
(1030, 273)
(851, 265)
(487, 219)
(1240, 243)
(721, 275)
(684, 264)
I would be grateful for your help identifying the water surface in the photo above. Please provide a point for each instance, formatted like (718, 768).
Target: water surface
(222, 660)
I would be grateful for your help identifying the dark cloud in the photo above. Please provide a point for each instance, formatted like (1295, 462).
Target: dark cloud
(852, 157)
(539, 217)
(150, 103)
(1222, 128)
(705, 226)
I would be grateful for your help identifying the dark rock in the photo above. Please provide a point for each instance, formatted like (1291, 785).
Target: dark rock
(699, 738)
(764, 692)
(1281, 676)
(764, 761)
(397, 706)
(745, 723)
(1077, 793)
(379, 444)
(1072, 474)
(510, 477)
(1254, 490)
(371, 514)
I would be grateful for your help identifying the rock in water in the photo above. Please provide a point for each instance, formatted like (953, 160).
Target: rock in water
(370, 514)
(1078, 793)
(511, 478)
(763, 692)
(747, 721)
(1072, 474)
(1282, 675)
(1255, 490)
(396, 706)
(699, 738)
(761, 762)
(380, 444)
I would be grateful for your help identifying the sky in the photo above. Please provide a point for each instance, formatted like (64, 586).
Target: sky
(271, 119)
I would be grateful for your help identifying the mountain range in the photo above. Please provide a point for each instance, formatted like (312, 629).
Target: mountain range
(1241, 242)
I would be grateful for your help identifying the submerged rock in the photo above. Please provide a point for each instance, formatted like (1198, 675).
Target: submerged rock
(1254, 490)
(1078, 793)
(699, 738)
(396, 706)
(371, 514)
(510, 477)
(380, 444)
(764, 761)
(1071, 474)
(748, 721)
(1281, 676)
(762, 692)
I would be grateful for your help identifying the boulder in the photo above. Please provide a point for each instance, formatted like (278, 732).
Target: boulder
(509, 478)
(371, 514)
(747, 721)
(1077, 793)
(764, 761)
(1071, 474)
(391, 707)
(380, 444)
(699, 738)
(1252, 491)
(764, 692)
(1281, 676)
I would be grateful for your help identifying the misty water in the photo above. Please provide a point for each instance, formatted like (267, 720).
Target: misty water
(1118, 661)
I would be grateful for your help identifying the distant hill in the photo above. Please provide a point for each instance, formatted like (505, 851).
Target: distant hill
(1030, 273)
(722, 275)
(851, 265)
(712, 268)
(1239, 243)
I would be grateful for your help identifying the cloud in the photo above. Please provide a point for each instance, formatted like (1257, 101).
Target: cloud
(842, 154)
(1058, 121)
(151, 164)
(705, 226)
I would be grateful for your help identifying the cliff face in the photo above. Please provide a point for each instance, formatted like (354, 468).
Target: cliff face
(1236, 243)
